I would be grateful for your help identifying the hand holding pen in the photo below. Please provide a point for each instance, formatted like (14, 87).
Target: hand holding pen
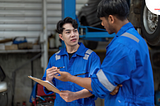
(51, 72)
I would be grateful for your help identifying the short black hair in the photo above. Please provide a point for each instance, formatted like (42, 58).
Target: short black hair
(119, 8)
(64, 21)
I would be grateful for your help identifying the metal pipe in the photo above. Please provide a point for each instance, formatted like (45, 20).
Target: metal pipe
(45, 37)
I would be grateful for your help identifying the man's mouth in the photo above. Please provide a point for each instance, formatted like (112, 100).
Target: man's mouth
(73, 40)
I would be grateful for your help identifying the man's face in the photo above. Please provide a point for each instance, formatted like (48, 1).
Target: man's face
(107, 24)
(70, 36)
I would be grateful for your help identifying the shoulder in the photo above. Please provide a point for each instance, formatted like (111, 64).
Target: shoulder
(129, 36)
(89, 51)
(129, 40)
(57, 52)
(120, 48)
(54, 56)
(92, 54)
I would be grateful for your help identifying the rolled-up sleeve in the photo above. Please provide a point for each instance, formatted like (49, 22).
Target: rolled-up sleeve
(115, 69)
(94, 64)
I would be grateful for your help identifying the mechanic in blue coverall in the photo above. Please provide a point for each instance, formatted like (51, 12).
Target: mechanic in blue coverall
(76, 59)
(127, 62)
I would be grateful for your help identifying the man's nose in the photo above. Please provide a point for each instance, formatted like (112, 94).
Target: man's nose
(73, 33)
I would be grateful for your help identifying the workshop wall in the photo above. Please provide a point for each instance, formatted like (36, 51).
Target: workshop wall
(23, 85)
(24, 18)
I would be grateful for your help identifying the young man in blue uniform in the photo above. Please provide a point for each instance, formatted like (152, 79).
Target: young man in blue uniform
(127, 61)
(76, 59)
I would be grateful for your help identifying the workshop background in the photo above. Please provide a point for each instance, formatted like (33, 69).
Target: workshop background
(24, 48)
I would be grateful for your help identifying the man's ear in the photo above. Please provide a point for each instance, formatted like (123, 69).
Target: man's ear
(111, 19)
(60, 36)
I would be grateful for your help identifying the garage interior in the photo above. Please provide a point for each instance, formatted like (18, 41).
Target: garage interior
(27, 28)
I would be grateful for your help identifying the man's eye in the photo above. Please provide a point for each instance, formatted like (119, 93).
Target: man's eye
(67, 32)
(75, 30)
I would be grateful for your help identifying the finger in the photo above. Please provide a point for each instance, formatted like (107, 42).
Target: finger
(120, 85)
(56, 76)
(116, 91)
(51, 74)
(117, 87)
(113, 93)
(64, 91)
(58, 71)
(64, 97)
(62, 94)
(50, 69)
(54, 67)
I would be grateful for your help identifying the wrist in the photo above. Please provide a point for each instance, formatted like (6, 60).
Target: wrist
(48, 79)
(70, 78)
(75, 95)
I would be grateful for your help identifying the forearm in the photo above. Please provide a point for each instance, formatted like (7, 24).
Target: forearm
(83, 82)
(82, 94)
(65, 76)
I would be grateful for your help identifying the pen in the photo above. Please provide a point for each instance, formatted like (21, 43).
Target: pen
(61, 67)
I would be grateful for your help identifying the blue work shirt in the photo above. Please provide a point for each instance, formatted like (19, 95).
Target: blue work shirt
(83, 63)
(127, 62)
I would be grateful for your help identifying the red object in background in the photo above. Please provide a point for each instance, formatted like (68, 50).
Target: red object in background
(40, 91)
(24, 103)
(41, 97)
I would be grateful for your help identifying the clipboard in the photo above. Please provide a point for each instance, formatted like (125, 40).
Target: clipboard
(46, 84)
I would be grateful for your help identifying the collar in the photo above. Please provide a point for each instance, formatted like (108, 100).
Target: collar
(123, 29)
(81, 50)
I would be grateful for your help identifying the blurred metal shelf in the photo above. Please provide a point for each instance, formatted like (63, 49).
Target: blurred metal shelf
(21, 51)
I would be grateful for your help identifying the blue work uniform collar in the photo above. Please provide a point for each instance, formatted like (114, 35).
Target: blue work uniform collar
(80, 51)
(123, 29)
